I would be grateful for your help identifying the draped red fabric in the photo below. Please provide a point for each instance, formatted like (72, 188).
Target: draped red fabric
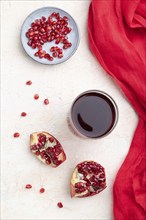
(117, 38)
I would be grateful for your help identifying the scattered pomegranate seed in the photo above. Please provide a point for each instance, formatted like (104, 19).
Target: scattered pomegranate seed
(16, 135)
(36, 96)
(29, 82)
(23, 114)
(42, 190)
(60, 205)
(28, 186)
(46, 101)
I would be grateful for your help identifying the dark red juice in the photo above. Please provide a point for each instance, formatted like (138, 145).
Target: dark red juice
(94, 114)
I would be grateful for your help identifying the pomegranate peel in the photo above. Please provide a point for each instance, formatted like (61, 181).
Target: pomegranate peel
(47, 148)
(88, 179)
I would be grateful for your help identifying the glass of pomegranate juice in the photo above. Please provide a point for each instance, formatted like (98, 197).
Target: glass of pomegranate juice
(93, 114)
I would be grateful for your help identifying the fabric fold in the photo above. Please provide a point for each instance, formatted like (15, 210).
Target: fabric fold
(117, 38)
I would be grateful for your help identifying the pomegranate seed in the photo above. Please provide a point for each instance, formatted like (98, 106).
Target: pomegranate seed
(65, 46)
(57, 35)
(52, 49)
(29, 42)
(44, 39)
(51, 139)
(42, 30)
(27, 34)
(49, 39)
(65, 18)
(57, 41)
(102, 175)
(69, 44)
(63, 22)
(48, 161)
(39, 47)
(54, 54)
(31, 33)
(16, 135)
(37, 21)
(42, 190)
(42, 53)
(51, 58)
(68, 30)
(57, 15)
(60, 55)
(59, 49)
(47, 56)
(65, 41)
(37, 153)
(60, 205)
(43, 18)
(35, 38)
(48, 28)
(33, 147)
(28, 186)
(36, 96)
(54, 22)
(29, 82)
(53, 34)
(31, 37)
(23, 114)
(36, 54)
(35, 27)
(33, 46)
(46, 101)
(53, 14)
(41, 42)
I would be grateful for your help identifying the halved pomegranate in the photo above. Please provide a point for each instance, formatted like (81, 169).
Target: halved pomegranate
(87, 179)
(47, 148)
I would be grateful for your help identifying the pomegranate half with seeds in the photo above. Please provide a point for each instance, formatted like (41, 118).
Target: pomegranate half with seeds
(47, 148)
(87, 179)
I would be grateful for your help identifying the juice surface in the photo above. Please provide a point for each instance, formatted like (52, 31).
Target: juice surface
(93, 114)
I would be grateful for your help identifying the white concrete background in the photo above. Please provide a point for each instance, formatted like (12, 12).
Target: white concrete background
(61, 84)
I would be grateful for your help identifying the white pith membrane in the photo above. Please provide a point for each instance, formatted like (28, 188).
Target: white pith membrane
(49, 151)
(87, 181)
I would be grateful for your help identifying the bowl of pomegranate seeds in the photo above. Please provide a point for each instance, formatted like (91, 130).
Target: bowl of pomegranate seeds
(50, 35)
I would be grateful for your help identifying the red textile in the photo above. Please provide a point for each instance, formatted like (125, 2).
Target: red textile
(117, 38)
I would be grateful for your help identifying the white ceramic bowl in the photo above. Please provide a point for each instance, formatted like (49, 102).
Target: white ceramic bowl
(73, 36)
